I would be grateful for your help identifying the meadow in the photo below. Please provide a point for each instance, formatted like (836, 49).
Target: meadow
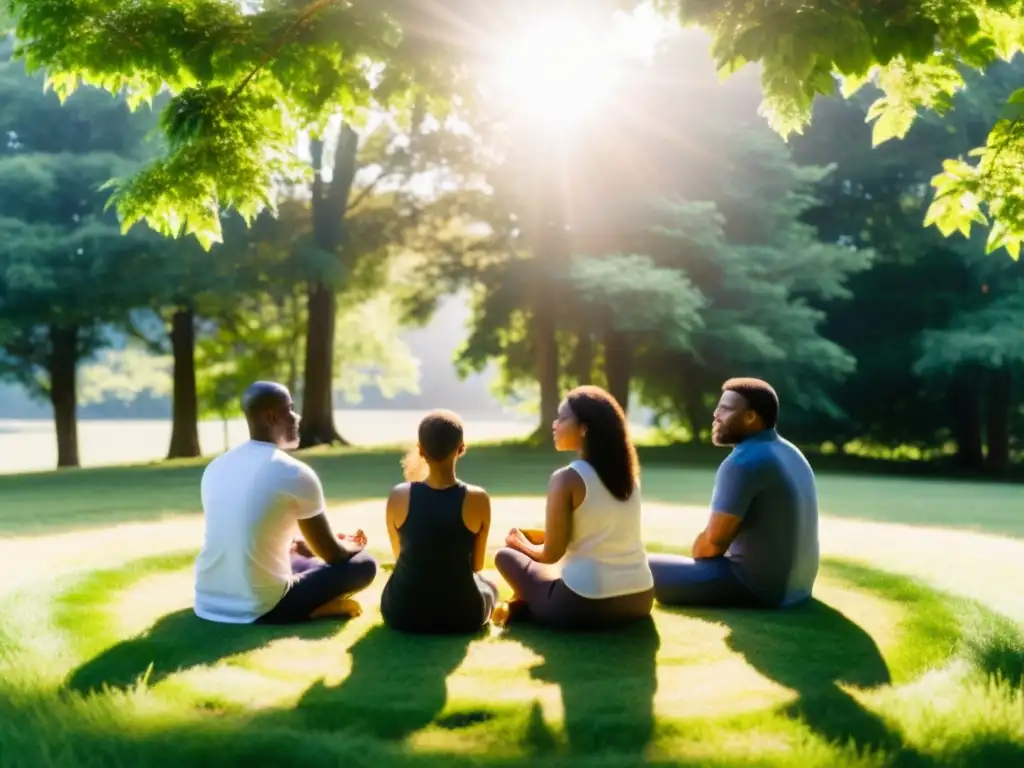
(911, 653)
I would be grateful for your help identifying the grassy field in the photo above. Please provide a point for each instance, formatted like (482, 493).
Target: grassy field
(911, 654)
(38, 503)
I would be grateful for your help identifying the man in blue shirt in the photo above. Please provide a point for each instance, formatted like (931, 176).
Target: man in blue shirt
(760, 547)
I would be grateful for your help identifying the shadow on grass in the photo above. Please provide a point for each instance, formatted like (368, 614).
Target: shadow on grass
(813, 649)
(397, 685)
(180, 641)
(608, 681)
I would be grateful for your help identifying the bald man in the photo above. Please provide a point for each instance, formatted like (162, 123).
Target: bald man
(251, 568)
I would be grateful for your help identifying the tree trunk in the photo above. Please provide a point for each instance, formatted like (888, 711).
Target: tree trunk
(545, 345)
(296, 344)
(696, 413)
(184, 406)
(618, 362)
(999, 409)
(582, 366)
(965, 403)
(63, 365)
(330, 203)
(317, 426)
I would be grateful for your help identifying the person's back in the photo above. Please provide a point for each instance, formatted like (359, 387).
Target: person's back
(433, 586)
(605, 556)
(249, 504)
(438, 528)
(776, 552)
(587, 569)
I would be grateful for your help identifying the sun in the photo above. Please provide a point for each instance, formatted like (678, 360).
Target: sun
(555, 71)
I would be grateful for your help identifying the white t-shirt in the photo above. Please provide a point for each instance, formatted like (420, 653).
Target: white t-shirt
(606, 556)
(253, 496)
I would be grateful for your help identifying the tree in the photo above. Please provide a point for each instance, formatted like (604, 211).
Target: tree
(124, 376)
(65, 269)
(244, 80)
(874, 199)
(372, 189)
(690, 263)
(260, 338)
(916, 53)
(262, 71)
(757, 269)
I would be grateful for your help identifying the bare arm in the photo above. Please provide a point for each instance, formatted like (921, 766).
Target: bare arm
(395, 514)
(477, 517)
(565, 491)
(714, 540)
(737, 482)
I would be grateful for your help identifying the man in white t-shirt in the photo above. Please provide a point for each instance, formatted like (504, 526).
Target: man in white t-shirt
(252, 568)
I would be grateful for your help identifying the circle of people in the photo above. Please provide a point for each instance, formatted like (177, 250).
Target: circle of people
(587, 569)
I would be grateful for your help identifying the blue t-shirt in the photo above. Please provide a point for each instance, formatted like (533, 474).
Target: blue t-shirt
(767, 481)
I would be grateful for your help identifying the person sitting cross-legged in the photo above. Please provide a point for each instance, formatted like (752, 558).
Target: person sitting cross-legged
(760, 546)
(438, 528)
(251, 569)
(587, 570)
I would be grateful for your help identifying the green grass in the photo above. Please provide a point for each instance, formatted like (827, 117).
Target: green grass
(102, 662)
(42, 502)
(808, 687)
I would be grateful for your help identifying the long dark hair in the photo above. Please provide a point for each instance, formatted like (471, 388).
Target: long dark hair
(606, 446)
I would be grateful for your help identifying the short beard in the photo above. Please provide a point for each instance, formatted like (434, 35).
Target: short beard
(723, 439)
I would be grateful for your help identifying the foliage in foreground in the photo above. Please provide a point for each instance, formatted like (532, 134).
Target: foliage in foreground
(263, 72)
(916, 52)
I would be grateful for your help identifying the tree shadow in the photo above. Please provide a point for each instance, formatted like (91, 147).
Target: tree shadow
(397, 685)
(179, 641)
(608, 681)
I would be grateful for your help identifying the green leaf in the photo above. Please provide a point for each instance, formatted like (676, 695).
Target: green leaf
(851, 84)
(1006, 31)
(891, 121)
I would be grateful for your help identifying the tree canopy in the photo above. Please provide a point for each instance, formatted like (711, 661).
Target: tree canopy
(245, 81)
(917, 53)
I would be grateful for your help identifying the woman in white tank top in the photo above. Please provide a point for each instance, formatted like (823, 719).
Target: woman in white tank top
(588, 569)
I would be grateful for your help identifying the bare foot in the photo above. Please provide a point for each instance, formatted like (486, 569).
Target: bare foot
(341, 608)
(500, 614)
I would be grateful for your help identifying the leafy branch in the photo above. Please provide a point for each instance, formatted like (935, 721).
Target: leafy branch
(306, 15)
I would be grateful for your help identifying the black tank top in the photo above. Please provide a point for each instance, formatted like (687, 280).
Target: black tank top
(432, 588)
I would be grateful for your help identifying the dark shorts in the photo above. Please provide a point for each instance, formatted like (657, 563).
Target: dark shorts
(548, 601)
(318, 583)
(712, 581)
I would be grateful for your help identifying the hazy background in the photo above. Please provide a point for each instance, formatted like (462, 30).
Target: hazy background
(111, 432)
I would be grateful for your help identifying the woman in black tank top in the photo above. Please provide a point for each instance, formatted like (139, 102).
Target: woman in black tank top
(438, 528)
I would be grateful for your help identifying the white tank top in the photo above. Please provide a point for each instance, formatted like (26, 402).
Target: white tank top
(606, 555)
